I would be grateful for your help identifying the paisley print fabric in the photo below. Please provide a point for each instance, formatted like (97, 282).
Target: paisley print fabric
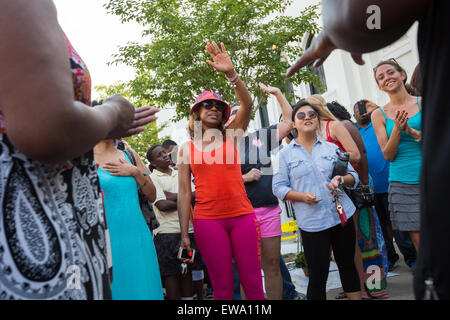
(53, 231)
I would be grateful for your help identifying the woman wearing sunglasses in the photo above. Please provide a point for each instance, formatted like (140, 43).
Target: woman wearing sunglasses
(224, 221)
(303, 175)
(332, 130)
(398, 129)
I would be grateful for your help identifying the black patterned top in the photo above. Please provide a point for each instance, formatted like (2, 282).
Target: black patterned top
(54, 241)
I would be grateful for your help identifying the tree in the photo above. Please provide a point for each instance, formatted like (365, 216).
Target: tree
(171, 68)
(140, 142)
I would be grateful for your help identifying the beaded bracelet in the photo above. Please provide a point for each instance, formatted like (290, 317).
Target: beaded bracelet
(233, 80)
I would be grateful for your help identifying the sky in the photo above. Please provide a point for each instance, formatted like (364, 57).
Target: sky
(96, 36)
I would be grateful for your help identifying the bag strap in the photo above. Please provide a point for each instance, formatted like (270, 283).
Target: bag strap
(131, 157)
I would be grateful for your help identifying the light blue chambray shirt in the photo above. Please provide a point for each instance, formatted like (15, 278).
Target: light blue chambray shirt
(297, 170)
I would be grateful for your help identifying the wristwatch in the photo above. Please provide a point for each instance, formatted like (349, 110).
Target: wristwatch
(341, 181)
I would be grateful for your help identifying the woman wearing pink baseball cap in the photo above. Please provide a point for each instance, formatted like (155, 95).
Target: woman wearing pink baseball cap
(225, 226)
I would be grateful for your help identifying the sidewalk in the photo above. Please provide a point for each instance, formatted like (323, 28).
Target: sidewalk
(399, 286)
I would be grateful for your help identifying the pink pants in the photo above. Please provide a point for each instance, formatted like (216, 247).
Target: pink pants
(219, 240)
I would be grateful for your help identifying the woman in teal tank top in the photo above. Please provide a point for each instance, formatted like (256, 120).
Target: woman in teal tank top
(136, 273)
(398, 129)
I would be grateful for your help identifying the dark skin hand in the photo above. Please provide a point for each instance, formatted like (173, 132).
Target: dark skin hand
(345, 27)
(42, 119)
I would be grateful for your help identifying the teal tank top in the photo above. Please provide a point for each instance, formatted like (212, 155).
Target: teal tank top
(408, 162)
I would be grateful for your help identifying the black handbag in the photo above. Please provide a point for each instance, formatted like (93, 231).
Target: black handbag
(146, 206)
(362, 196)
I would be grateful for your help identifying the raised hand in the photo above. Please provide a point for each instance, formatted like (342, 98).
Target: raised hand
(271, 90)
(221, 60)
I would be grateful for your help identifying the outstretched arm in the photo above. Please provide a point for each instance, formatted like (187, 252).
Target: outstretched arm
(347, 26)
(222, 63)
(283, 128)
(42, 119)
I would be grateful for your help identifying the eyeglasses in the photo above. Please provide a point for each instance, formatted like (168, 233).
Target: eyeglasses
(382, 62)
(208, 105)
(302, 115)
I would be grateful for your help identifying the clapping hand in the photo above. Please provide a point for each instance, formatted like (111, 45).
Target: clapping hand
(401, 119)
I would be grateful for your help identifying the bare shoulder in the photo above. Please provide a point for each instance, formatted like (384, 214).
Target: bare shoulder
(184, 153)
(377, 115)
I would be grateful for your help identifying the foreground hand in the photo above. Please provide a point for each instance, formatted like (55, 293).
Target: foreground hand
(310, 198)
(142, 117)
(222, 61)
(131, 121)
(122, 168)
(271, 90)
(318, 52)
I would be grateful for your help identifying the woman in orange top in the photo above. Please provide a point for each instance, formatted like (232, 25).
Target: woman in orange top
(225, 226)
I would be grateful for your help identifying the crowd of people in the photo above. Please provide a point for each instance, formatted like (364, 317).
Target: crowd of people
(83, 217)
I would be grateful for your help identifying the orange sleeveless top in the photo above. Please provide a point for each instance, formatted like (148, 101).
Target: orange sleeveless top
(219, 188)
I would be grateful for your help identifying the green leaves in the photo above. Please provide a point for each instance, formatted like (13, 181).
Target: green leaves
(171, 70)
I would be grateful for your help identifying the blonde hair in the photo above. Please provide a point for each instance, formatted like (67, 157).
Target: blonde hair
(195, 116)
(319, 102)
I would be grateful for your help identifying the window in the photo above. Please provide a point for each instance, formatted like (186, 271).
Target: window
(317, 71)
(264, 116)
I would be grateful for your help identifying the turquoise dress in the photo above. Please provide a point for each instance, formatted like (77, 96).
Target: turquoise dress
(135, 265)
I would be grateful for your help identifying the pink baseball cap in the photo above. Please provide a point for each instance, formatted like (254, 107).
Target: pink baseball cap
(208, 95)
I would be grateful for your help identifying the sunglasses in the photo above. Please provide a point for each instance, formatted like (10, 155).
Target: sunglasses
(234, 112)
(302, 115)
(388, 60)
(208, 105)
